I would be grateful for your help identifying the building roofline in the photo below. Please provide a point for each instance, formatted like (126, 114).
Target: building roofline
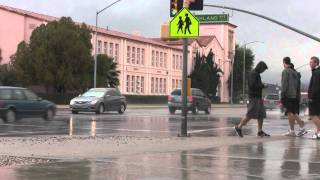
(38, 16)
(47, 18)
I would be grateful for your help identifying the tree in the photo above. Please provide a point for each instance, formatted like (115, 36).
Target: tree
(7, 76)
(206, 74)
(58, 56)
(238, 71)
(107, 73)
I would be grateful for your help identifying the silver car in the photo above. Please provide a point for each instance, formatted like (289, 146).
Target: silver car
(272, 101)
(99, 100)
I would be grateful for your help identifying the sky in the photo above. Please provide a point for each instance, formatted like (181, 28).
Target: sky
(145, 17)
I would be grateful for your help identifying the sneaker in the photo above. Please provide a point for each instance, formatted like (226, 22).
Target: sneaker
(263, 134)
(302, 132)
(316, 136)
(238, 131)
(290, 134)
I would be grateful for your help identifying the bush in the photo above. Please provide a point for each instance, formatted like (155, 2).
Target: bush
(135, 99)
(58, 98)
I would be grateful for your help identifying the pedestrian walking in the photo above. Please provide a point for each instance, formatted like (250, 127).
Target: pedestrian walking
(180, 25)
(290, 89)
(314, 95)
(299, 121)
(188, 23)
(255, 108)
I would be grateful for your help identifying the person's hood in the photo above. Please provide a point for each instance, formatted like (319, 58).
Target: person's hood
(261, 66)
(294, 73)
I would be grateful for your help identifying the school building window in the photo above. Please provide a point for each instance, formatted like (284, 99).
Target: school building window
(142, 84)
(138, 55)
(99, 47)
(133, 55)
(165, 60)
(105, 47)
(116, 53)
(128, 84)
(111, 50)
(173, 61)
(152, 58)
(161, 59)
(152, 85)
(128, 54)
(157, 58)
(142, 56)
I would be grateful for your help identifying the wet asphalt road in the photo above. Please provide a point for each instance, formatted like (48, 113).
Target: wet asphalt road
(149, 121)
(293, 158)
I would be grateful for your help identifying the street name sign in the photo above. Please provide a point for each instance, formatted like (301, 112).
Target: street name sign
(213, 18)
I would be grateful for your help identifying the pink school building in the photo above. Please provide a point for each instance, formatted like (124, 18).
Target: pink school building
(148, 66)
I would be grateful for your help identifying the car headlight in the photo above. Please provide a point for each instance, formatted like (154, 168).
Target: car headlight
(72, 102)
(94, 101)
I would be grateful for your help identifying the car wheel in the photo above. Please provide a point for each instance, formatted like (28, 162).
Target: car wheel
(49, 115)
(10, 116)
(122, 109)
(100, 109)
(74, 112)
(195, 110)
(172, 110)
(208, 110)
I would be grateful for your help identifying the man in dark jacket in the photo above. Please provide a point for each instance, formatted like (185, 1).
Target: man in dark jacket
(255, 109)
(314, 95)
(290, 87)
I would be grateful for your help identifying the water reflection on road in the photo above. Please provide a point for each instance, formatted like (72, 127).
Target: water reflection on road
(290, 159)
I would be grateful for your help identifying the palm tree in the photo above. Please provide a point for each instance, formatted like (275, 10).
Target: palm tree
(107, 73)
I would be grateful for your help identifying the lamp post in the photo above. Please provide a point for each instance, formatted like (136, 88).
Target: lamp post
(244, 67)
(96, 43)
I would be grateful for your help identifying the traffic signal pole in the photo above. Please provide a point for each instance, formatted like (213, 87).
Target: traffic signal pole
(269, 19)
(184, 121)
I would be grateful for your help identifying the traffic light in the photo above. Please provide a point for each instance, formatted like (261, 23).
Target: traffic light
(175, 7)
(196, 5)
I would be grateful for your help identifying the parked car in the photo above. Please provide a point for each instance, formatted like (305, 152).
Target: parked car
(198, 101)
(272, 101)
(17, 102)
(99, 100)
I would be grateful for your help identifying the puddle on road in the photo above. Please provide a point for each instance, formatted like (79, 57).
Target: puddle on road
(92, 125)
(289, 159)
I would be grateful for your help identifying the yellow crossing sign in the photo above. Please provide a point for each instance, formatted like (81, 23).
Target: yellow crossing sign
(184, 25)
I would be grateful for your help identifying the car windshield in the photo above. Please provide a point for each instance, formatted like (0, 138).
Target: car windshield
(176, 92)
(93, 94)
(272, 97)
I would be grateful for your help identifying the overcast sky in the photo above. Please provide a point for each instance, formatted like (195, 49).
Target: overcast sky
(145, 16)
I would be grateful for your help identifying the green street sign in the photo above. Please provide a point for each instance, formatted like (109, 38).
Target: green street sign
(213, 18)
(184, 25)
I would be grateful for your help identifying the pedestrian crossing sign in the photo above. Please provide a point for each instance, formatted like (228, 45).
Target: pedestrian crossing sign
(184, 25)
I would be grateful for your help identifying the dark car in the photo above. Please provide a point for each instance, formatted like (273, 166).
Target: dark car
(99, 100)
(16, 103)
(198, 101)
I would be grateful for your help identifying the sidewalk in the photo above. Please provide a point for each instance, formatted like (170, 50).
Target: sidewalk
(138, 106)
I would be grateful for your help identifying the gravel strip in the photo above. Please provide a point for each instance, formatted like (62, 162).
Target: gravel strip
(6, 161)
(82, 147)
